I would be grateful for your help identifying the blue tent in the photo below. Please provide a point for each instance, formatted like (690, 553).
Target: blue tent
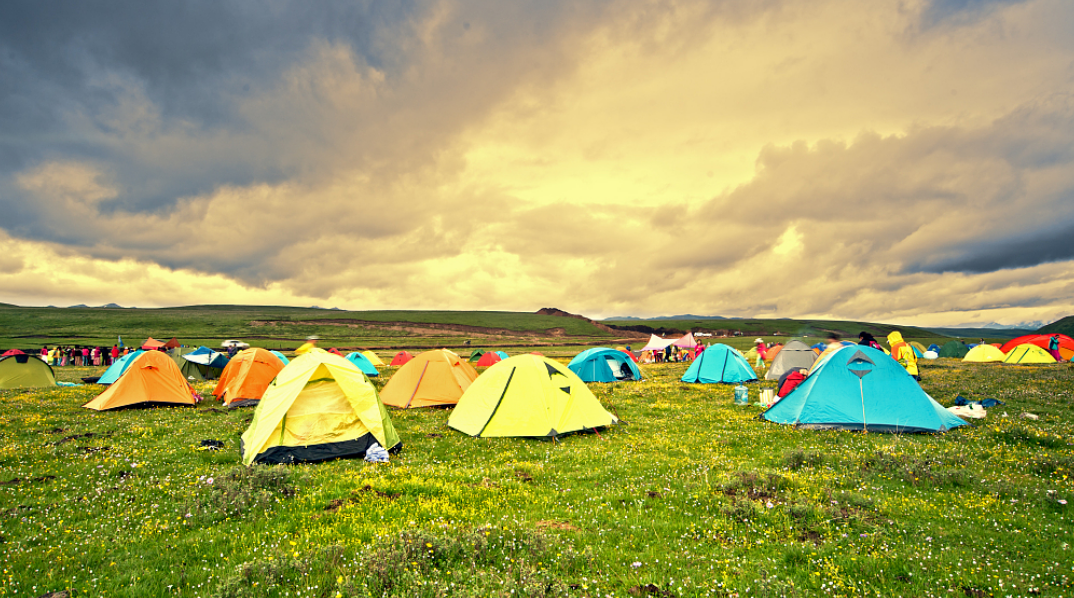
(604, 365)
(207, 357)
(820, 347)
(280, 355)
(934, 347)
(502, 354)
(859, 388)
(719, 364)
(116, 370)
(363, 363)
(917, 352)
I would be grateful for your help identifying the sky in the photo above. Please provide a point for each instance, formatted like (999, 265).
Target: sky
(898, 161)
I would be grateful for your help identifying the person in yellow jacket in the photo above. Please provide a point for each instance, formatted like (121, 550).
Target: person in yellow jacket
(311, 342)
(902, 352)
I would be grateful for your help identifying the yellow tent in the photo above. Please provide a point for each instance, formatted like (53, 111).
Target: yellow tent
(1028, 354)
(320, 406)
(25, 371)
(153, 377)
(431, 378)
(372, 357)
(983, 354)
(528, 395)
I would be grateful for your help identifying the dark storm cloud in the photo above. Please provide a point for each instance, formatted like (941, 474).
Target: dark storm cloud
(1052, 244)
(959, 11)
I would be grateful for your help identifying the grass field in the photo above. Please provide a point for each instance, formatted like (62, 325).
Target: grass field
(690, 496)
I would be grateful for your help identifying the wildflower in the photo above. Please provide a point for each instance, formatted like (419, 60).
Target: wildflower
(636, 564)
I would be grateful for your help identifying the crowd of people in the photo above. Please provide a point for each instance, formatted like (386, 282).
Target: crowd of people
(77, 355)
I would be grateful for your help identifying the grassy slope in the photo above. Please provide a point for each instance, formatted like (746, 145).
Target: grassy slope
(1064, 326)
(692, 495)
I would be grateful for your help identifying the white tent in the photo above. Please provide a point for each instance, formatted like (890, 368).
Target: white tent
(658, 344)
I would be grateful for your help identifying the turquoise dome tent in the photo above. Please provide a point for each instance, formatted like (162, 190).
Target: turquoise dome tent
(602, 364)
(281, 356)
(860, 388)
(363, 363)
(116, 370)
(720, 364)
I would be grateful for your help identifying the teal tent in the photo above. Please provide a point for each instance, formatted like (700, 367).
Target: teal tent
(604, 365)
(720, 364)
(116, 370)
(858, 388)
(502, 354)
(280, 355)
(363, 364)
(954, 349)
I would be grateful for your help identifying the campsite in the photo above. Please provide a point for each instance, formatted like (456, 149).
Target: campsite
(683, 494)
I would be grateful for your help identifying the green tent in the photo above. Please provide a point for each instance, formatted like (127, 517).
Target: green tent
(475, 355)
(25, 371)
(954, 349)
(528, 395)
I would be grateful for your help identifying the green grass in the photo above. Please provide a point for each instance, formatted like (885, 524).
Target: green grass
(690, 496)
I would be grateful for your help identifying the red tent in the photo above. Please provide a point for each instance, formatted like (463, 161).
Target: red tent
(1066, 344)
(401, 358)
(12, 352)
(335, 351)
(172, 344)
(488, 359)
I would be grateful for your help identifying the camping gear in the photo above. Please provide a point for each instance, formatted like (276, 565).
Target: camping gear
(363, 363)
(954, 349)
(719, 364)
(1028, 354)
(152, 377)
(25, 371)
(768, 396)
(930, 355)
(151, 344)
(488, 359)
(319, 407)
(202, 364)
(528, 395)
(475, 355)
(742, 395)
(246, 377)
(432, 378)
(401, 358)
(795, 354)
(983, 354)
(602, 364)
(1066, 344)
(373, 359)
(117, 368)
(283, 359)
(861, 388)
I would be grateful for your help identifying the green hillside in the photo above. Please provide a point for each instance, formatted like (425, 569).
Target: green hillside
(777, 327)
(1064, 326)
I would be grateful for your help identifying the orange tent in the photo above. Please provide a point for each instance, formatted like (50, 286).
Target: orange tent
(432, 378)
(772, 352)
(401, 358)
(152, 378)
(488, 359)
(1066, 344)
(246, 377)
(151, 343)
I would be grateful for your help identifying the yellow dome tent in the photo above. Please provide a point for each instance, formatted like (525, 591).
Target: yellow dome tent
(372, 357)
(528, 395)
(984, 354)
(431, 378)
(319, 407)
(1028, 354)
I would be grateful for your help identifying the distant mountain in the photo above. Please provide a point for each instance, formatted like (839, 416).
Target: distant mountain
(75, 306)
(326, 308)
(112, 306)
(998, 326)
(679, 317)
(972, 333)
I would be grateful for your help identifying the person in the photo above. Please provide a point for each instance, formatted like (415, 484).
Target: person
(311, 343)
(864, 338)
(790, 380)
(1053, 347)
(833, 342)
(115, 353)
(902, 352)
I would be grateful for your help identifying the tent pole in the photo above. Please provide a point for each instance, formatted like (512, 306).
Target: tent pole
(861, 390)
(417, 386)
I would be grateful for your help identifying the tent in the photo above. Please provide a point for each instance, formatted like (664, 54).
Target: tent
(502, 354)
(861, 388)
(203, 364)
(602, 364)
(795, 354)
(319, 407)
(152, 343)
(773, 352)
(117, 368)
(172, 344)
(475, 355)
(983, 354)
(528, 395)
(25, 371)
(372, 357)
(686, 342)
(151, 377)
(1066, 344)
(719, 364)
(363, 363)
(657, 344)
(954, 349)
(246, 377)
(488, 359)
(431, 378)
(401, 358)
(1028, 354)
(934, 348)
(919, 349)
(11, 352)
(931, 355)
(281, 357)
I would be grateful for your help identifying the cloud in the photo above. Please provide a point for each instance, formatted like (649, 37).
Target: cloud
(618, 157)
